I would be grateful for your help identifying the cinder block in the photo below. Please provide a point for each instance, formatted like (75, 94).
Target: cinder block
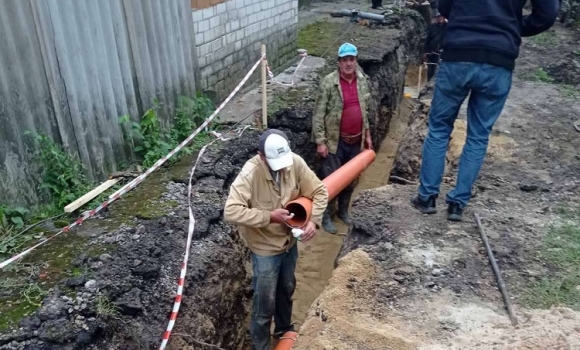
(214, 22)
(245, 21)
(231, 5)
(220, 8)
(235, 24)
(199, 39)
(230, 38)
(270, 23)
(222, 74)
(197, 16)
(204, 50)
(208, 12)
(219, 31)
(230, 49)
(238, 45)
(208, 36)
(263, 25)
(253, 18)
(212, 80)
(203, 26)
(202, 61)
(240, 34)
(228, 27)
(256, 7)
(228, 60)
(206, 71)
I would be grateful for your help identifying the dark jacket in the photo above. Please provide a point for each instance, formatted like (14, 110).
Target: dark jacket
(490, 31)
(435, 35)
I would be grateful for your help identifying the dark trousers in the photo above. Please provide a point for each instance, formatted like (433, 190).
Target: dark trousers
(433, 61)
(273, 283)
(377, 3)
(332, 162)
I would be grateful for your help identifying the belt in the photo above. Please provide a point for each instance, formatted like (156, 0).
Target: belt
(351, 139)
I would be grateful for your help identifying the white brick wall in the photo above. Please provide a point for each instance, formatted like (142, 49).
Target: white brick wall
(232, 26)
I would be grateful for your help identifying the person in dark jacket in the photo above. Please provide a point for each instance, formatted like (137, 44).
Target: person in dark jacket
(482, 42)
(434, 43)
(377, 5)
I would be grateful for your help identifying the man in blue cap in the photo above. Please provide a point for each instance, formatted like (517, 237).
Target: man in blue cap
(340, 124)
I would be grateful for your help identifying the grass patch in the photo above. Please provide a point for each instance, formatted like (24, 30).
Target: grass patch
(561, 252)
(569, 91)
(318, 37)
(547, 38)
(538, 75)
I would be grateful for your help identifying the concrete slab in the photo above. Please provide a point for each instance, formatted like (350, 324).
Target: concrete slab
(248, 106)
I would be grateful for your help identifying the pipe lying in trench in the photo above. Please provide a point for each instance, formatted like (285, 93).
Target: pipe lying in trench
(335, 182)
(287, 341)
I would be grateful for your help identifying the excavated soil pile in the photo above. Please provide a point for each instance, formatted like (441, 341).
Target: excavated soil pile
(122, 299)
(410, 281)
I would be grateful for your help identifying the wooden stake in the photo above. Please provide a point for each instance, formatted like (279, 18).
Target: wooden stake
(90, 195)
(264, 96)
(419, 82)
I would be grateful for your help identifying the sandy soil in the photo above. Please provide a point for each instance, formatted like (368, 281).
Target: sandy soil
(407, 281)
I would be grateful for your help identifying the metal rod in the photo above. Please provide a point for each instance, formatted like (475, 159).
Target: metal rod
(500, 281)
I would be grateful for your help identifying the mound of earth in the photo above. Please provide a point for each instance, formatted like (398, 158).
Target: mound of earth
(408, 281)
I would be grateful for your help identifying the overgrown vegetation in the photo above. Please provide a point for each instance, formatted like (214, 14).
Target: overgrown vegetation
(63, 176)
(561, 252)
(152, 142)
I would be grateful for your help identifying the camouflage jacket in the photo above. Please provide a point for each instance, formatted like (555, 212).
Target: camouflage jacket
(328, 109)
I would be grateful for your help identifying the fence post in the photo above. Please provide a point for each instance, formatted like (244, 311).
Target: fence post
(264, 96)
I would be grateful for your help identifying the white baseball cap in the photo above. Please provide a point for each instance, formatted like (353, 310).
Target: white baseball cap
(275, 148)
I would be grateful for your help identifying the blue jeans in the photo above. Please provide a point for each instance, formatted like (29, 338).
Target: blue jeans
(489, 87)
(273, 283)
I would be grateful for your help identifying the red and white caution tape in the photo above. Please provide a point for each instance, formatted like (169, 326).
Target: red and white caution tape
(181, 282)
(302, 54)
(128, 187)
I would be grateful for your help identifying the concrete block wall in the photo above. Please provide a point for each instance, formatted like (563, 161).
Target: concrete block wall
(229, 34)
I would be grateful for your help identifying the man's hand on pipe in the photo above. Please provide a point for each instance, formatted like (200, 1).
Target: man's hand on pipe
(280, 216)
(309, 231)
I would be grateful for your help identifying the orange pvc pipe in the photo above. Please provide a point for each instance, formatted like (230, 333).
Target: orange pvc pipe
(335, 183)
(287, 341)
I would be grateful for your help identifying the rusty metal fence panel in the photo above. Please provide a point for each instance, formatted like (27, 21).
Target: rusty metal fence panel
(70, 68)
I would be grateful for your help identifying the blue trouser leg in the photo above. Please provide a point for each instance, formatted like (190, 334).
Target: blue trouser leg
(285, 290)
(489, 93)
(450, 91)
(273, 283)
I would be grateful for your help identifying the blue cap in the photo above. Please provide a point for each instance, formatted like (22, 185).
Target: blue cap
(347, 49)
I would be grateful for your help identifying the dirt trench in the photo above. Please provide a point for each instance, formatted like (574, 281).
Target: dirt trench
(118, 291)
(408, 281)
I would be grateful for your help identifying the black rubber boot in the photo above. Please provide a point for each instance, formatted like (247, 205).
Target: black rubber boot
(327, 223)
(343, 202)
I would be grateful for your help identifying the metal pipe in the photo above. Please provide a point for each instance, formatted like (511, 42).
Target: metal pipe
(364, 15)
(500, 281)
(335, 182)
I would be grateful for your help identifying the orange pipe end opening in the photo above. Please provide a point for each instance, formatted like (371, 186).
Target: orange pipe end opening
(287, 341)
(302, 210)
(335, 182)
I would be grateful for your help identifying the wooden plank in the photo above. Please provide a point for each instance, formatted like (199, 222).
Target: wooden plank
(90, 195)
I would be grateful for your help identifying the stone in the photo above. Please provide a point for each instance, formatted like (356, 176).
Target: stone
(130, 303)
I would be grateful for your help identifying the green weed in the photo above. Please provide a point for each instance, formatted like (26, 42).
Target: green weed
(561, 251)
(547, 38)
(105, 308)
(63, 174)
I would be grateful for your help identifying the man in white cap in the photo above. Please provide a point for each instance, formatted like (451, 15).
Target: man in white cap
(255, 203)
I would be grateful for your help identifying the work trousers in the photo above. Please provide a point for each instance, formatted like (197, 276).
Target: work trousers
(488, 86)
(273, 283)
(344, 153)
(433, 60)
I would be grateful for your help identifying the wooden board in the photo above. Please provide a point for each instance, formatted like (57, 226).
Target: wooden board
(90, 195)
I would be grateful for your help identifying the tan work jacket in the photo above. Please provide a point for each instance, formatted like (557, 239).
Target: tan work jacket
(254, 194)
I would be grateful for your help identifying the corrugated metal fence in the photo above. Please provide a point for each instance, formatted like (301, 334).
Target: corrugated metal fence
(70, 68)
